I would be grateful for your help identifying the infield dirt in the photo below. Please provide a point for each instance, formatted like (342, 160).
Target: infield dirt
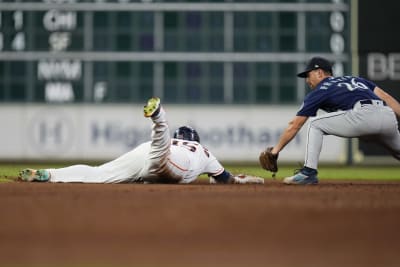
(333, 224)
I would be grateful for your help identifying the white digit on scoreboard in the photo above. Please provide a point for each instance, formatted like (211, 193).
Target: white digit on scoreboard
(18, 43)
(18, 20)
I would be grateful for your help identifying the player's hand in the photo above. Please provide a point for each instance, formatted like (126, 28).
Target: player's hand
(247, 179)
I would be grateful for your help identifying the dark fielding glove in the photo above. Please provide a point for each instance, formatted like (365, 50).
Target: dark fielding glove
(269, 161)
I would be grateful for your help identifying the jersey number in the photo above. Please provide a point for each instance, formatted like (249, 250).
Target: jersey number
(190, 146)
(353, 85)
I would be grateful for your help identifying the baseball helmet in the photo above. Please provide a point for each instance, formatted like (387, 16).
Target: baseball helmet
(187, 133)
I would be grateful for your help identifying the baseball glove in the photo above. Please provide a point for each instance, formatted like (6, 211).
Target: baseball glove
(269, 161)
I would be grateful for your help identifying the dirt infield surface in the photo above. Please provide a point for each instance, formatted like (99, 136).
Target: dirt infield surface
(332, 224)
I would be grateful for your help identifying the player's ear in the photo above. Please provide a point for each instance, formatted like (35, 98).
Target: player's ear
(320, 73)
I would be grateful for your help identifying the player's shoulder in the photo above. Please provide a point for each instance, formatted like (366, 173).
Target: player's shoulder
(333, 82)
(347, 78)
(355, 81)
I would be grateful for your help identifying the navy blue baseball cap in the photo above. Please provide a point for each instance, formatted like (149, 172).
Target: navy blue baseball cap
(314, 64)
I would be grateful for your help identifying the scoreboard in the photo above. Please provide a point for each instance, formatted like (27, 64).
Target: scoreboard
(207, 52)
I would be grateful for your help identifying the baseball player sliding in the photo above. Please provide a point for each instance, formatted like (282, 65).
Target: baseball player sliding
(356, 108)
(180, 159)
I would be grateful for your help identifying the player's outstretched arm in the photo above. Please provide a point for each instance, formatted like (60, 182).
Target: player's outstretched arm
(228, 178)
(290, 132)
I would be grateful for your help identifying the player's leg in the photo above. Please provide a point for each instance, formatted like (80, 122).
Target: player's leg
(392, 144)
(335, 123)
(124, 169)
(70, 174)
(377, 121)
(308, 174)
(75, 173)
(390, 136)
(365, 121)
(156, 169)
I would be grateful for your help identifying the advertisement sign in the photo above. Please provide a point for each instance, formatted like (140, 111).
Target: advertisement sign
(94, 132)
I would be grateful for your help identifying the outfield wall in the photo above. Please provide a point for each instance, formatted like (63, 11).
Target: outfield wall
(103, 132)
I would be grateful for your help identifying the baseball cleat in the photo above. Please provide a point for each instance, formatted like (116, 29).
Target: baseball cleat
(30, 175)
(301, 179)
(152, 108)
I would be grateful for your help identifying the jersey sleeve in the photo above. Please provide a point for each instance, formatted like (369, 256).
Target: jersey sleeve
(371, 85)
(312, 103)
(213, 167)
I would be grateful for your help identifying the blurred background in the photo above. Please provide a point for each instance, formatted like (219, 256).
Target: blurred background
(75, 74)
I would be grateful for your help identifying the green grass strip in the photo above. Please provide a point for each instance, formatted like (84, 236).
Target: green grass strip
(325, 172)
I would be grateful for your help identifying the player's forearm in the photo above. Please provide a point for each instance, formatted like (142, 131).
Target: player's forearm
(232, 179)
(289, 133)
(285, 138)
(224, 178)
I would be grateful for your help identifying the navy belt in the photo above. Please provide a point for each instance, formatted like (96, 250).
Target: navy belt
(371, 102)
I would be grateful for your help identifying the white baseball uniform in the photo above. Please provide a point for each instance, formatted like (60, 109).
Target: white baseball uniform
(161, 160)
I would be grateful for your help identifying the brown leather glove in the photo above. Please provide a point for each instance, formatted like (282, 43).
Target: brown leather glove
(269, 161)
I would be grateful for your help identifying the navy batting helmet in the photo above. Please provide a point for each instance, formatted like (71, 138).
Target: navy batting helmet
(187, 133)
